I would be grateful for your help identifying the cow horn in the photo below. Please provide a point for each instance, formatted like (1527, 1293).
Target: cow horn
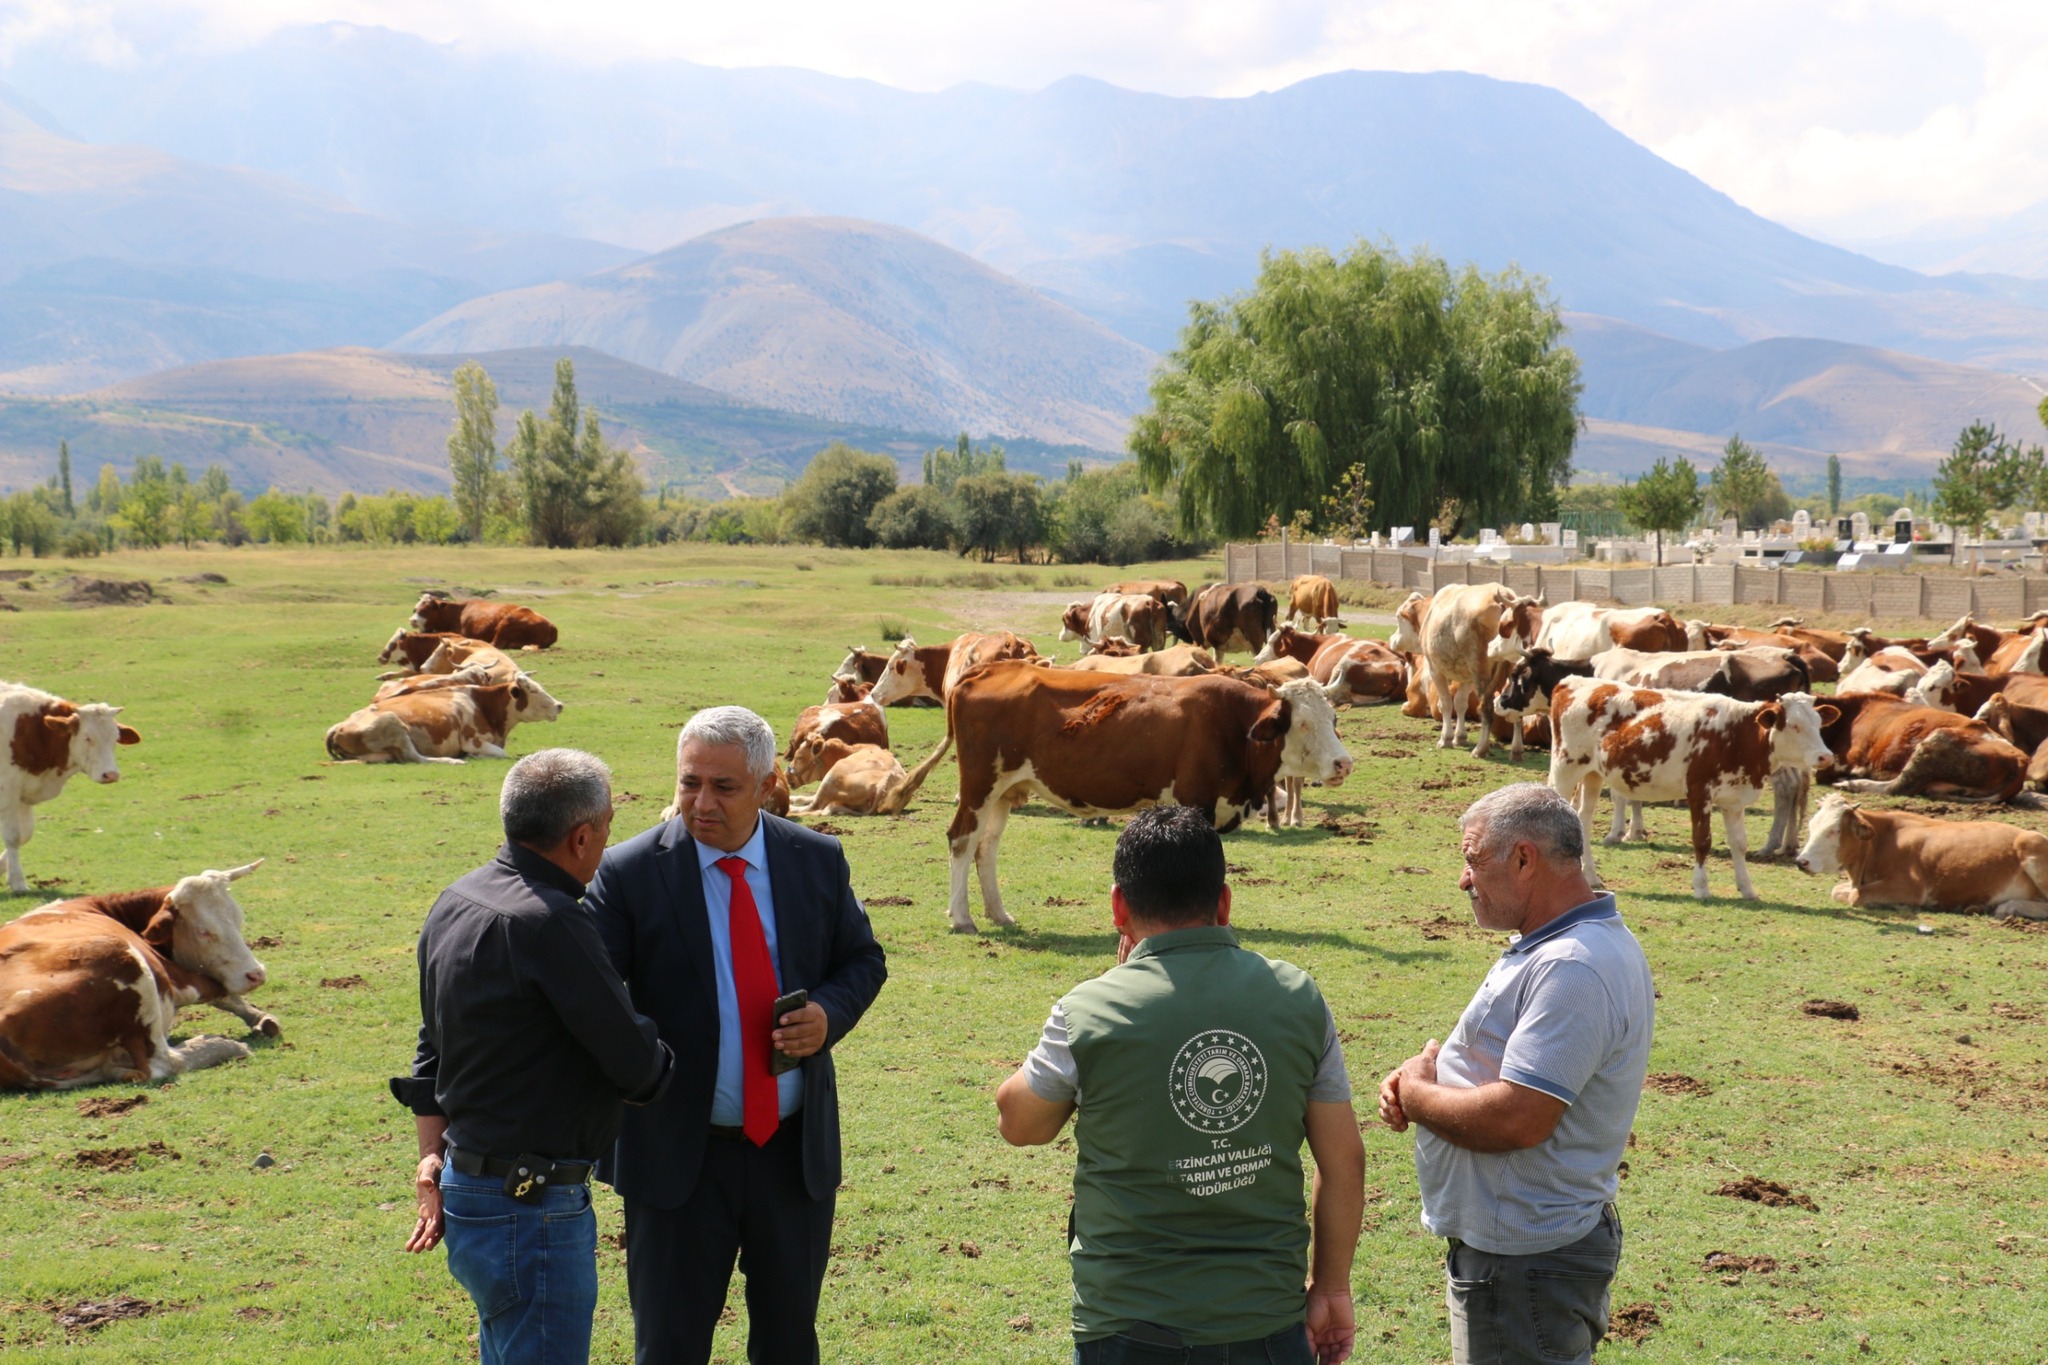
(236, 873)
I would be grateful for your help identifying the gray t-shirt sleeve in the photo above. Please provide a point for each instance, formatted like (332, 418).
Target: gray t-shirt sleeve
(1050, 1069)
(1332, 1083)
(1563, 1031)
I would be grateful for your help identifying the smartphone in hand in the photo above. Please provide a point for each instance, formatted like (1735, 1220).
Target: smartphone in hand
(778, 1060)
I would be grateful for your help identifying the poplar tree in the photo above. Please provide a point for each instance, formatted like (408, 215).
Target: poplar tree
(64, 476)
(473, 448)
(1834, 486)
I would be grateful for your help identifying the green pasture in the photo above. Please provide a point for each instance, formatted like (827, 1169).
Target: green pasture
(1916, 1133)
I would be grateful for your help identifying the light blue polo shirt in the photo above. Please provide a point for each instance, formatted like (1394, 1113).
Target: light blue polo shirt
(1567, 1010)
(727, 1109)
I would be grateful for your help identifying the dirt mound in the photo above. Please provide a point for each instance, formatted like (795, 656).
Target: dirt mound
(121, 1158)
(1831, 1009)
(1675, 1083)
(91, 1314)
(1633, 1323)
(6, 605)
(107, 592)
(217, 578)
(1769, 1193)
(106, 1106)
(1728, 1261)
(342, 983)
(888, 900)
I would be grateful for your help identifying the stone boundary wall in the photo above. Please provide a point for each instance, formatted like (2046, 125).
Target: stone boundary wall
(1887, 595)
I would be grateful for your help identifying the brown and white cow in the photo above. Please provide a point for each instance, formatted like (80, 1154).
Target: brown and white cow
(1095, 745)
(1712, 753)
(466, 676)
(1347, 668)
(1579, 630)
(1179, 661)
(504, 624)
(1887, 746)
(90, 988)
(845, 689)
(49, 742)
(1225, 617)
(1135, 617)
(1312, 603)
(1170, 593)
(410, 649)
(919, 671)
(1706, 635)
(860, 722)
(441, 726)
(2002, 651)
(1901, 858)
(856, 779)
(1470, 636)
(1890, 669)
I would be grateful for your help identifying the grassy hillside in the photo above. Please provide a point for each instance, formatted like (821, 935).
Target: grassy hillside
(1910, 1129)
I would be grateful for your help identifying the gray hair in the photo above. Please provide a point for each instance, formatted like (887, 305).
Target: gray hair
(550, 792)
(733, 725)
(1529, 812)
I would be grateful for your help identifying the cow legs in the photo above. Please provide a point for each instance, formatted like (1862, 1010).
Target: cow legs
(1790, 790)
(249, 1014)
(1636, 829)
(1736, 826)
(985, 862)
(1450, 702)
(1585, 797)
(962, 841)
(1485, 690)
(973, 838)
(2023, 909)
(16, 828)
(196, 1055)
(1702, 843)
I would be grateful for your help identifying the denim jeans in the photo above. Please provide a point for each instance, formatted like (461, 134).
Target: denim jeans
(531, 1268)
(1289, 1346)
(1544, 1308)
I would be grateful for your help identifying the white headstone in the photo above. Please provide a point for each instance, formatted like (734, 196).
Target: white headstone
(1403, 535)
(1550, 530)
(1375, 540)
(1488, 536)
(1849, 561)
(1859, 526)
(1729, 528)
(1571, 539)
(1435, 538)
(1802, 522)
(1528, 532)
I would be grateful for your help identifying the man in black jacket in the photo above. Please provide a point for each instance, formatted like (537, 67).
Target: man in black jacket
(528, 1049)
(713, 917)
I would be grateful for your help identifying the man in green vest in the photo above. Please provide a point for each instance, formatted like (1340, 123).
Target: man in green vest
(1197, 1068)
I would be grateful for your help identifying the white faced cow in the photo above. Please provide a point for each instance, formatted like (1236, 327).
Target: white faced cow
(49, 741)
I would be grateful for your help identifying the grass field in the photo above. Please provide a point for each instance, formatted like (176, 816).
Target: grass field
(1917, 1132)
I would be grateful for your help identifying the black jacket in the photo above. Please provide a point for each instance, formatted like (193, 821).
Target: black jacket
(648, 903)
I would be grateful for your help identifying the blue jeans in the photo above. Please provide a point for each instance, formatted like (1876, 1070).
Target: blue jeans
(531, 1268)
(1289, 1346)
(1548, 1307)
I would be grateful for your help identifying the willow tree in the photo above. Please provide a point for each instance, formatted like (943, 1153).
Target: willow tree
(1450, 390)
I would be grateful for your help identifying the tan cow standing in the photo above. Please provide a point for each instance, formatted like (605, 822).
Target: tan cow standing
(49, 741)
(1312, 604)
(1469, 636)
(1897, 857)
(90, 988)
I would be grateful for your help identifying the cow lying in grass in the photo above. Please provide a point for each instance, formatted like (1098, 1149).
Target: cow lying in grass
(1895, 857)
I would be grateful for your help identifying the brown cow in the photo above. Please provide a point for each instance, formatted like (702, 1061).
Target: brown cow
(504, 624)
(845, 689)
(1347, 669)
(1135, 617)
(49, 741)
(1312, 603)
(1897, 857)
(1888, 746)
(90, 988)
(1095, 745)
(2002, 651)
(860, 722)
(1168, 592)
(1231, 616)
(1180, 661)
(1706, 635)
(441, 726)
(857, 779)
(410, 649)
(931, 671)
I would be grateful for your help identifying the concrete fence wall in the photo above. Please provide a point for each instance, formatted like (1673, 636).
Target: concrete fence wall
(1887, 595)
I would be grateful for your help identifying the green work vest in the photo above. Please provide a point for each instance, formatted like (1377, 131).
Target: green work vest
(1195, 1060)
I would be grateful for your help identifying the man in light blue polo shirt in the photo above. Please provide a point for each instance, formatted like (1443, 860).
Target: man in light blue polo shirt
(1523, 1114)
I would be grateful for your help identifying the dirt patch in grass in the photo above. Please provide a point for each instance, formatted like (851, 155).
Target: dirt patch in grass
(1805, 1312)
(267, 941)
(1633, 1323)
(107, 1107)
(1675, 1083)
(827, 827)
(121, 1158)
(888, 900)
(108, 592)
(1769, 1193)
(1064, 900)
(1831, 1009)
(1729, 1262)
(1348, 827)
(253, 1313)
(89, 1315)
(2019, 1014)
(342, 983)
(1961, 1083)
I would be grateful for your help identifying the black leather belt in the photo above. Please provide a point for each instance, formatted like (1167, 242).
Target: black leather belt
(550, 1172)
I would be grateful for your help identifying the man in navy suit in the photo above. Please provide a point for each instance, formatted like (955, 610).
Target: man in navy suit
(710, 918)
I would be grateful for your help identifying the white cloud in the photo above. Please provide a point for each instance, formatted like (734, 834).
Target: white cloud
(1852, 116)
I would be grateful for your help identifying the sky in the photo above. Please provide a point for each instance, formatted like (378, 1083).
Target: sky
(1853, 119)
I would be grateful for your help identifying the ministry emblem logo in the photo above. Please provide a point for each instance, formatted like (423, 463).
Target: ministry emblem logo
(1217, 1080)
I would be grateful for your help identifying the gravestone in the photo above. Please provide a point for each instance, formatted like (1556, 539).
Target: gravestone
(1436, 538)
(1403, 535)
(1802, 524)
(1859, 526)
(1528, 533)
(1488, 536)
(1550, 530)
(1571, 540)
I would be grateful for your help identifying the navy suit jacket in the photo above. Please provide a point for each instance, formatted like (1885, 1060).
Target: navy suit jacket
(648, 901)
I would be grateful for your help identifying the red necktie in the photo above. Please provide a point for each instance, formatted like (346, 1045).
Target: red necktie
(753, 979)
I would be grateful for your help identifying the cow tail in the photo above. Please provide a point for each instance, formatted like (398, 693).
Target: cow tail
(893, 802)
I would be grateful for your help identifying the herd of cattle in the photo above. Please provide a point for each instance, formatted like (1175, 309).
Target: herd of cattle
(1631, 700)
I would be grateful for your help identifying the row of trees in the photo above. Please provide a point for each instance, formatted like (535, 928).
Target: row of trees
(1447, 392)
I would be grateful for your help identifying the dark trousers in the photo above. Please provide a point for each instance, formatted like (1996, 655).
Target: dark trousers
(1286, 1347)
(749, 1202)
(1532, 1310)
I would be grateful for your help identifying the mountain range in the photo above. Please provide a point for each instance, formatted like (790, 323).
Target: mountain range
(801, 242)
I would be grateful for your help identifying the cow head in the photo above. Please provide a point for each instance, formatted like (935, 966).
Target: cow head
(419, 611)
(530, 701)
(2030, 657)
(1934, 687)
(1177, 622)
(1826, 848)
(1696, 635)
(1996, 713)
(846, 687)
(1407, 636)
(1527, 687)
(88, 737)
(200, 925)
(1279, 642)
(807, 761)
(1305, 722)
(1520, 621)
(391, 646)
(1074, 621)
(1948, 639)
(902, 676)
(1793, 723)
